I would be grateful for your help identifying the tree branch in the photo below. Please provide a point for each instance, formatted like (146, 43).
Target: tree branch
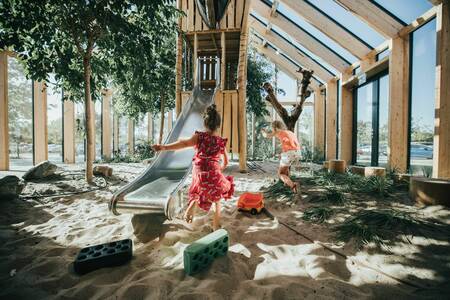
(272, 98)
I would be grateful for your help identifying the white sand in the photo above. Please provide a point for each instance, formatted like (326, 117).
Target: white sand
(40, 240)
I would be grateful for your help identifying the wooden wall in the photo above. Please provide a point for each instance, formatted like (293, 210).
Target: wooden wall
(193, 21)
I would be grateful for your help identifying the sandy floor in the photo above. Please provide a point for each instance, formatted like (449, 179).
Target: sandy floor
(40, 238)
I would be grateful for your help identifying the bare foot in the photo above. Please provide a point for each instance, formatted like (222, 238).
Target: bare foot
(188, 217)
(294, 188)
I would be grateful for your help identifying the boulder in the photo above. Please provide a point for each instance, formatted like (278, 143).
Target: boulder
(430, 191)
(103, 171)
(10, 187)
(41, 170)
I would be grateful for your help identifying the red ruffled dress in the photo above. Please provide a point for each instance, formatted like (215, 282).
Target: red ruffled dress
(208, 183)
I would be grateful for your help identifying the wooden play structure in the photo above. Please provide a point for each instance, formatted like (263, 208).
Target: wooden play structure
(198, 48)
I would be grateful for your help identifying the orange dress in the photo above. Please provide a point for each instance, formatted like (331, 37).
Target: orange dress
(208, 183)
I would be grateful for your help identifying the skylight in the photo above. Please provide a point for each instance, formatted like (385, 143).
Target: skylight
(405, 10)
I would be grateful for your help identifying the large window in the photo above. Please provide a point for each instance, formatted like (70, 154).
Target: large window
(98, 129)
(423, 62)
(20, 112)
(123, 135)
(141, 130)
(54, 121)
(371, 121)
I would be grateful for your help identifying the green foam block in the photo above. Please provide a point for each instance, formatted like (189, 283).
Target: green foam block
(200, 254)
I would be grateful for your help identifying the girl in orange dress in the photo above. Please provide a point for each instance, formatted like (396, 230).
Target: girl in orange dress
(290, 151)
(209, 185)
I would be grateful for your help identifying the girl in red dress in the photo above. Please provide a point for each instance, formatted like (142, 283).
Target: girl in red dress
(209, 185)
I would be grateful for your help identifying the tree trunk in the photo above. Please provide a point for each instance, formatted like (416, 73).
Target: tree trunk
(161, 128)
(89, 126)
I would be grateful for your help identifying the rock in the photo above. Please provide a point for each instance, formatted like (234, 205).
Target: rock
(39, 171)
(368, 171)
(11, 186)
(103, 171)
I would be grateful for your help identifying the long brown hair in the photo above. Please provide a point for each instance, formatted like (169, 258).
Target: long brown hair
(278, 125)
(211, 118)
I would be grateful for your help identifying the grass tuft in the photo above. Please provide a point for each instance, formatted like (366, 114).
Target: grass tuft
(278, 189)
(317, 214)
(332, 196)
(375, 226)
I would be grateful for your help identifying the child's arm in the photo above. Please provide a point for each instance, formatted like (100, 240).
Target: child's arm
(191, 142)
(225, 159)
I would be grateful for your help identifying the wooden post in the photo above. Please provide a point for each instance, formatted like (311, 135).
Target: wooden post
(319, 121)
(253, 135)
(194, 56)
(69, 132)
(169, 120)
(242, 87)
(398, 104)
(441, 152)
(346, 124)
(106, 124)
(222, 61)
(130, 136)
(150, 127)
(116, 131)
(179, 61)
(4, 126)
(40, 139)
(331, 100)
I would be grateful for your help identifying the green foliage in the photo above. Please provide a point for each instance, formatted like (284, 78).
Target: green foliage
(317, 214)
(332, 196)
(263, 146)
(308, 154)
(278, 189)
(144, 150)
(375, 226)
(128, 41)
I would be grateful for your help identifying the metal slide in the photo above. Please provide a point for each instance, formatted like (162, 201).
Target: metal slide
(157, 190)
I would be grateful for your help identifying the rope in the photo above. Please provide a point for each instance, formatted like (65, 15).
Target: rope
(405, 282)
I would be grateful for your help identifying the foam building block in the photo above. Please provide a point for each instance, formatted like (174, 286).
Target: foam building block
(201, 253)
(103, 255)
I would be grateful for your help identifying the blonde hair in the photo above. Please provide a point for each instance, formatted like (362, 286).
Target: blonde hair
(278, 125)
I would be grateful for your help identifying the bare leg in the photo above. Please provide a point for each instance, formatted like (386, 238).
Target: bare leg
(216, 218)
(283, 173)
(190, 212)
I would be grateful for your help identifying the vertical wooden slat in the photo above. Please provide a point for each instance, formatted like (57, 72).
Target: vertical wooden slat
(40, 122)
(222, 61)
(230, 14)
(239, 12)
(4, 126)
(106, 124)
(235, 122)
(69, 132)
(169, 120)
(223, 21)
(183, 24)
(130, 136)
(194, 57)
(319, 124)
(198, 19)
(441, 151)
(219, 105)
(116, 130)
(398, 104)
(190, 15)
(227, 118)
(346, 124)
(178, 71)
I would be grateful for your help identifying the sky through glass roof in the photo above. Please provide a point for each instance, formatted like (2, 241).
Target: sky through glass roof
(405, 10)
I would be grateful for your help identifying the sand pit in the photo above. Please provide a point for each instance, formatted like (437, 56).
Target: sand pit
(40, 238)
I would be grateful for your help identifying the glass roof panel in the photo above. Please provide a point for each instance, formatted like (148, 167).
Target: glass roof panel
(349, 21)
(302, 50)
(405, 10)
(316, 33)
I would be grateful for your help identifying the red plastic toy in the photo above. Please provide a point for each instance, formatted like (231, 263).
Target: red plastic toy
(252, 202)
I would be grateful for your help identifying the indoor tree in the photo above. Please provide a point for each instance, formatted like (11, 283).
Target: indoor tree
(86, 43)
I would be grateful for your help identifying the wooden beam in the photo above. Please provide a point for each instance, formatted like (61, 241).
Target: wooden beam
(69, 132)
(150, 127)
(373, 16)
(178, 71)
(427, 16)
(194, 58)
(346, 124)
(4, 126)
(40, 135)
(222, 61)
(319, 121)
(326, 25)
(116, 131)
(242, 88)
(331, 114)
(291, 51)
(302, 37)
(283, 64)
(441, 151)
(435, 2)
(106, 124)
(398, 104)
